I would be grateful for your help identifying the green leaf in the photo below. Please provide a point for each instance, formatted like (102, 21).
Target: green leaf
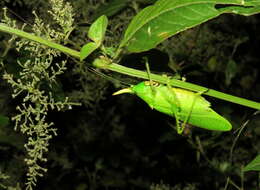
(254, 165)
(3, 120)
(96, 33)
(87, 49)
(249, 8)
(245, 11)
(97, 30)
(166, 18)
(252, 2)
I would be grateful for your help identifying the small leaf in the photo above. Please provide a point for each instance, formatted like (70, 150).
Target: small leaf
(166, 18)
(3, 120)
(97, 30)
(87, 49)
(254, 165)
(96, 33)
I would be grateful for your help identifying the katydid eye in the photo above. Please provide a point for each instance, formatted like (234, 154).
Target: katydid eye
(151, 83)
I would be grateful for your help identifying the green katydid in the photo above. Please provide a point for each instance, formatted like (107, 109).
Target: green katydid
(185, 105)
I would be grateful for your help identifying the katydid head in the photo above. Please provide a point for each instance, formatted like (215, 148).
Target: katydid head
(144, 88)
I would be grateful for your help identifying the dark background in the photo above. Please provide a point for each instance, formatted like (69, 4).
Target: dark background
(119, 142)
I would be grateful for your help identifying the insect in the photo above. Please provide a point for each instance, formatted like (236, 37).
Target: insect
(184, 105)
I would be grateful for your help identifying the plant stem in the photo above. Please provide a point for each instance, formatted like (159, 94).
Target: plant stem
(20, 33)
(105, 64)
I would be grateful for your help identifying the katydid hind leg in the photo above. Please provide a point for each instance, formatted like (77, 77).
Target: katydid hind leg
(176, 107)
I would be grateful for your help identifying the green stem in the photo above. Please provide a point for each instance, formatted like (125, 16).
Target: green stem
(17, 32)
(101, 63)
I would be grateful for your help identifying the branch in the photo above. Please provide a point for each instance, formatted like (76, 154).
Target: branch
(106, 64)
